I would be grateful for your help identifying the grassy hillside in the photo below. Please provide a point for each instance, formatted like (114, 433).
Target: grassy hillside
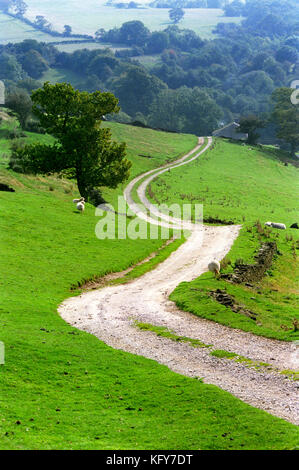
(244, 185)
(234, 182)
(60, 75)
(9, 127)
(62, 388)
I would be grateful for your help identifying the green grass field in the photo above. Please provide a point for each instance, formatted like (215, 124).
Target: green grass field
(149, 61)
(60, 75)
(14, 30)
(88, 17)
(69, 48)
(62, 388)
(8, 125)
(242, 184)
(92, 15)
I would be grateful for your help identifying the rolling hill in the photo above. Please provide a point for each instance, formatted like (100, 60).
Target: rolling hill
(64, 389)
(249, 186)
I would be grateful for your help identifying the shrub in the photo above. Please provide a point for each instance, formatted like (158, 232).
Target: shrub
(15, 163)
(15, 134)
(35, 158)
(34, 126)
(121, 117)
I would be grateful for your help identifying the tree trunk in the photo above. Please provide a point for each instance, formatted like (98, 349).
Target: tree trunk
(80, 183)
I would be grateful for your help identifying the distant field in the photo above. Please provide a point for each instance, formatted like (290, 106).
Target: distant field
(61, 75)
(87, 17)
(87, 45)
(148, 60)
(13, 30)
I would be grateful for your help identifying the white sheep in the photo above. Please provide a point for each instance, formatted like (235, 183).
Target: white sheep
(276, 225)
(75, 201)
(81, 206)
(214, 267)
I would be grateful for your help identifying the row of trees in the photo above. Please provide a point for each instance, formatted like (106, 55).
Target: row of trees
(263, 18)
(135, 33)
(86, 150)
(235, 80)
(188, 3)
(196, 86)
(284, 115)
(176, 14)
(183, 110)
(236, 73)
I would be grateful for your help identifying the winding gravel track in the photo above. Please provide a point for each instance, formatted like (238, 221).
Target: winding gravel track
(111, 312)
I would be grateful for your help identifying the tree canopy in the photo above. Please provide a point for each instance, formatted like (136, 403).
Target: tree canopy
(81, 146)
(286, 117)
(238, 69)
(19, 101)
(249, 125)
(185, 110)
(176, 14)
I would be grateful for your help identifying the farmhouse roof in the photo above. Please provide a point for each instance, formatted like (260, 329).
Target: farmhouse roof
(230, 131)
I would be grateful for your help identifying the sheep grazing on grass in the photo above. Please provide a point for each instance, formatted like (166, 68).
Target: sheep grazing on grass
(276, 225)
(75, 201)
(214, 267)
(81, 206)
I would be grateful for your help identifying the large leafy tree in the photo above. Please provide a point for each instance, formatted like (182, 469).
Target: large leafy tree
(249, 125)
(17, 7)
(82, 146)
(234, 8)
(67, 30)
(42, 22)
(10, 68)
(176, 14)
(286, 117)
(157, 42)
(34, 64)
(185, 110)
(20, 102)
(287, 54)
(136, 90)
(134, 33)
